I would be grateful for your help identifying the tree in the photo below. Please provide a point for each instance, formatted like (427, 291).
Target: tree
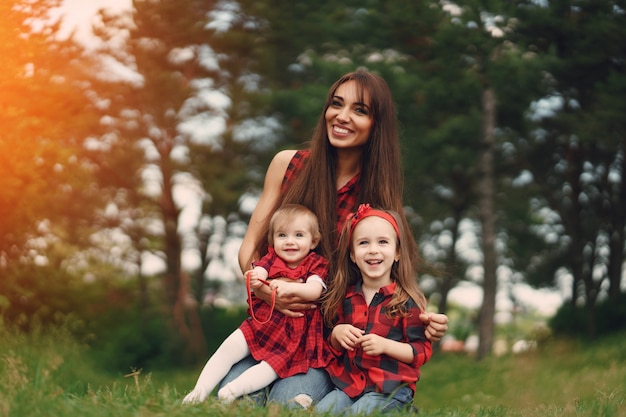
(476, 39)
(45, 114)
(176, 126)
(576, 151)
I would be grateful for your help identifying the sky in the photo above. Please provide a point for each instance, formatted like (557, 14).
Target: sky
(78, 15)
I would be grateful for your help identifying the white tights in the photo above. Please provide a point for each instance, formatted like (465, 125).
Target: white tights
(231, 351)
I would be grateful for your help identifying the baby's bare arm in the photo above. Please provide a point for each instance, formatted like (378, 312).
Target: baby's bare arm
(307, 291)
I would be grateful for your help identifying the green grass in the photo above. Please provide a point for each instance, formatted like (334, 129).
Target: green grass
(563, 378)
(50, 374)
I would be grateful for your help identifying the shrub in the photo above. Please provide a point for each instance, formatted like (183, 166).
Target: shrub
(610, 317)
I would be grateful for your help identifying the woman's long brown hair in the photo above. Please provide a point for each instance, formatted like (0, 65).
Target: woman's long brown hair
(381, 181)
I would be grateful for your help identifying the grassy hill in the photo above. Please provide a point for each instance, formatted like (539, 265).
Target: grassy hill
(50, 374)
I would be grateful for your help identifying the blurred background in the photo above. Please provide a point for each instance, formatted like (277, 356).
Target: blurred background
(134, 138)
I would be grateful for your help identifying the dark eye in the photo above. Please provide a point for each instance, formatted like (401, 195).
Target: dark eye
(361, 110)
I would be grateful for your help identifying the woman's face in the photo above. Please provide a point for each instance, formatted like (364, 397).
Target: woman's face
(348, 121)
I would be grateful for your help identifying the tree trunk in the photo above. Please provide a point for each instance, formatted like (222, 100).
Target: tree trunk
(173, 245)
(183, 307)
(616, 238)
(571, 213)
(486, 191)
(450, 279)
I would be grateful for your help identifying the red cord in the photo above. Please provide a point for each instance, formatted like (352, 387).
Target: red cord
(250, 299)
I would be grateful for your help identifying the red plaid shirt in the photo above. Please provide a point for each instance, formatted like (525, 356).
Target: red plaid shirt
(355, 372)
(346, 195)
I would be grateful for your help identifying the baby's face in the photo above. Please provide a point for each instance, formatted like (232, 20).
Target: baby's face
(293, 241)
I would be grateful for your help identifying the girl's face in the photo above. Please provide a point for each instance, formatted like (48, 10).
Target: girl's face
(374, 250)
(348, 121)
(293, 240)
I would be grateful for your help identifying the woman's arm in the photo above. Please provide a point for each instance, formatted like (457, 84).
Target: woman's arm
(263, 210)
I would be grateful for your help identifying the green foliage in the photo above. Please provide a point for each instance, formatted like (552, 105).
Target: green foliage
(218, 323)
(609, 318)
(125, 338)
(107, 316)
(43, 369)
(45, 113)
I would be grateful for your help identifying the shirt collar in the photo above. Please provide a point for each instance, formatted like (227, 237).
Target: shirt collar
(357, 288)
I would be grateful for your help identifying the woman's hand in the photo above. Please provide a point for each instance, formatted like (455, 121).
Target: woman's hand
(289, 305)
(436, 325)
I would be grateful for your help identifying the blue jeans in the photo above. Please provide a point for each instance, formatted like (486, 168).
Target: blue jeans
(338, 403)
(315, 384)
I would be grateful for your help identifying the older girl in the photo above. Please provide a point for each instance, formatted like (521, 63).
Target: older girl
(375, 305)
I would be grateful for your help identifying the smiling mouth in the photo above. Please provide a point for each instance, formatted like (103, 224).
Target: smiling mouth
(341, 130)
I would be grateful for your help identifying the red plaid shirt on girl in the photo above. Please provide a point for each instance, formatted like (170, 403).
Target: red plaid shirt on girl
(355, 372)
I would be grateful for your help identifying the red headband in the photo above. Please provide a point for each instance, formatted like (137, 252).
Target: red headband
(364, 211)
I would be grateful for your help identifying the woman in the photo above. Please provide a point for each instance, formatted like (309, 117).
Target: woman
(354, 157)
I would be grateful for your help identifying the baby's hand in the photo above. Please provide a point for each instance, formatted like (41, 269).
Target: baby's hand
(255, 281)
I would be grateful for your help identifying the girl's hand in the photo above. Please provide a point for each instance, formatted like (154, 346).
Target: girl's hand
(373, 344)
(347, 336)
(436, 325)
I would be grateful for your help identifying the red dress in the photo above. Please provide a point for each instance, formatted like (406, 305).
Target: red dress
(289, 345)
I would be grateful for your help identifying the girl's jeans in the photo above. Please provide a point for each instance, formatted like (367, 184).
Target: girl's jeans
(338, 403)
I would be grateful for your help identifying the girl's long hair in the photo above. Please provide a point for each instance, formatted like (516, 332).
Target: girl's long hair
(381, 180)
(403, 273)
